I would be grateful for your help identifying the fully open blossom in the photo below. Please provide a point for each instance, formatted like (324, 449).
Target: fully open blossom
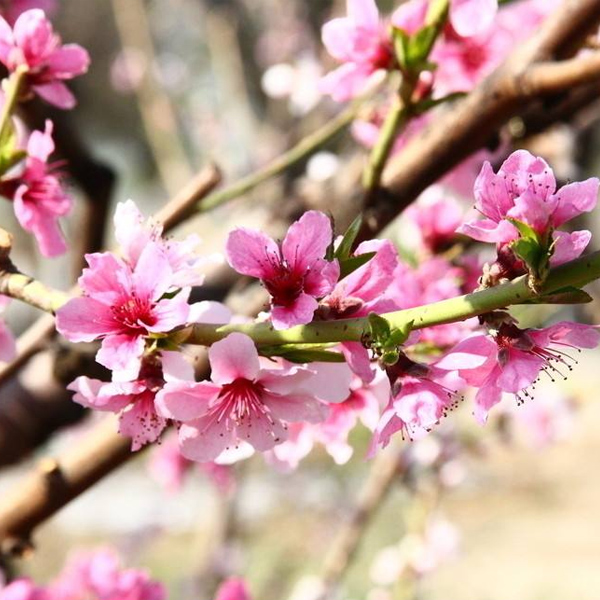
(38, 196)
(510, 359)
(133, 233)
(123, 306)
(242, 403)
(420, 396)
(7, 341)
(362, 43)
(524, 189)
(32, 44)
(295, 272)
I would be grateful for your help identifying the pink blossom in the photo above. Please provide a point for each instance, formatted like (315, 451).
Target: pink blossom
(233, 589)
(122, 307)
(134, 400)
(33, 45)
(133, 233)
(359, 41)
(435, 218)
(509, 359)
(242, 403)
(7, 341)
(295, 273)
(38, 196)
(421, 395)
(525, 189)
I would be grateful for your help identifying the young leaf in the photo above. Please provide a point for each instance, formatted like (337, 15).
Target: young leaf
(345, 248)
(349, 265)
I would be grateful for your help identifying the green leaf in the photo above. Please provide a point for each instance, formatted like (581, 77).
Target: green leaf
(349, 265)
(9, 154)
(345, 248)
(401, 41)
(525, 230)
(304, 356)
(566, 295)
(420, 44)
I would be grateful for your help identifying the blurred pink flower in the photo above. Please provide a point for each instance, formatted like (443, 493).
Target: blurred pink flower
(295, 273)
(361, 42)
(38, 196)
(233, 589)
(33, 44)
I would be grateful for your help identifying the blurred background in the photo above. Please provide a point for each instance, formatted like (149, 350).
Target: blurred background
(484, 514)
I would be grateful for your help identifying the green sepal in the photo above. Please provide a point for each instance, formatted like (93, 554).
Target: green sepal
(534, 250)
(349, 265)
(379, 328)
(344, 250)
(9, 154)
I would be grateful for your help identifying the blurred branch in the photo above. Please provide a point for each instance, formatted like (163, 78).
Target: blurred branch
(386, 469)
(157, 112)
(299, 152)
(507, 92)
(56, 481)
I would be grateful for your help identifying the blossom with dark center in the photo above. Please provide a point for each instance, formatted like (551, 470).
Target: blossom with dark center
(510, 359)
(122, 307)
(295, 273)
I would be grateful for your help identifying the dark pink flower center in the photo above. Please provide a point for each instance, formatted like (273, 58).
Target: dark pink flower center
(135, 314)
(285, 285)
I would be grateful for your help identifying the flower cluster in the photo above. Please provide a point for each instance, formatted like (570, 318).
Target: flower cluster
(89, 575)
(38, 64)
(137, 305)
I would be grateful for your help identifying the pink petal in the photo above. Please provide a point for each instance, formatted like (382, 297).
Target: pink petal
(357, 357)
(330, 382)
(569, 246)
(57, 94)
(486, 230)
(7, 343)
(299, 313)
(122, 354)
(410, 16)
(295, 408)
(233, 589)
(233, 357)
(84, 320)
(203, 440)
(141, 423)
(470, 17)
(574, 199)
(337, 36)
(252, 253)
(520, 371)
(487, 396)
(171, 313)
(68, 61)
(185, 400)
(88, 393)
(322, 277)
(307, 240)
(152, 274)
(471, 353)
(40, 144)
(345, 82)
(104, 278)
(364, 13)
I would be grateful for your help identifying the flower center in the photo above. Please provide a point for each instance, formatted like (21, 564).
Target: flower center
(135, 314)
(285, 286)
(240, 401)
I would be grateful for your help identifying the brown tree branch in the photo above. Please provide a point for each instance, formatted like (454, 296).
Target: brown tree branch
(472, 122)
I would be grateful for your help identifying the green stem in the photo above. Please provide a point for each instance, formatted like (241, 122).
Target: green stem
(11, 97)
(299, 152)
(395, 120)
(575, 273)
